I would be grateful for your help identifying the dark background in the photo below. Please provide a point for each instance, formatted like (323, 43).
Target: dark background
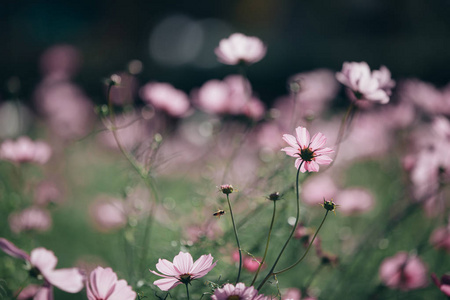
(412, 38)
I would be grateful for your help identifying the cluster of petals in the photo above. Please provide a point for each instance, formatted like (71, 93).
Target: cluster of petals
(238, 292)
(404, 272)
(182, 270)
(32, 218)
(240, 48)
(104, 285)
(366, 85)
(310, 153)
(443, 284)
(44, 261)
(233, 95)
(165, 97)
(25, 150)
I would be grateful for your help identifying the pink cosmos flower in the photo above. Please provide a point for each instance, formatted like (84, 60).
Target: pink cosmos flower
(165, 97)
(364, 84)
(25, 150)
(318, 187)
(103, 285)
(443, 284)
(43, 263)
(32, 218)
(403, 271)
(182, 270)
(240, 48)
(309, 152)
(108, 214)
(354, 201)
(238, 292)
(251, 264)
(29, 292)
(440, 238)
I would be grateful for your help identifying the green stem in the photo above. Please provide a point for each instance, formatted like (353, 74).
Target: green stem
(267, 244)
(270, 273)
(187, 291)
(307, 250)
(342, 131)
(237, 239)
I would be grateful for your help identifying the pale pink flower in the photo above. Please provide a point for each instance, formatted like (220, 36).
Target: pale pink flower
(47, 192)
(309, 152)
(104, 285)
(124, 91)
(240, 48)
(318, 187)
(165, 97)
(292, 294)
(43, 263)
(251, 264)
(108, 214)
(25, 150)
(354, 201)
(182, 270)
(30, 219)
(238, 292)
(383, 75)
(443, 284)
(404, 272)
(440, 238)
(363, 84)
(28, 292)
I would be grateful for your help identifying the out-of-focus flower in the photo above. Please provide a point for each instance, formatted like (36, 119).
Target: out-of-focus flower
(30, 219)
(292, 294)
(318, 187)
(232, 96)
(125, 91)
(29, 292)
(404, 272)
(104, 285)
(364, 84)
(309, 152)
(208, 230)
(182, 270)
(354, 201)
(425, 96)
(440, 238)
(108, 214)
(443, 284)
(165, 97)
(47, 192)
(60, 62)
(43, 263)
(238, 292)
(25, 150)
(67, 109)
(251, 264)
(239, 48)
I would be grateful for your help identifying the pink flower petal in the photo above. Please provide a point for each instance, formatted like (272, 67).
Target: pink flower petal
(166, 267)
(44, 293)
(166, 284)
(291, 151)
(68, 280)
(43, 259)
(122, 291)
(291, 140)
(102, 282)
(323, 160)
(317, 141)
(183, 262)
(10, 249)
(302, 137)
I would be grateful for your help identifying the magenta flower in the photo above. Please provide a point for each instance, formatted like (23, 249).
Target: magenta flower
(238, 292)
(403, 271)
(103, 285)
(240, 48)
(366, 85)
(443, 284)
(182, 270)
(25, 150)
(43, 263)
(309, 152)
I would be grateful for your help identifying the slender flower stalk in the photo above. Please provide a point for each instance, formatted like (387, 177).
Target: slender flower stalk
(271, 273)
(267, 244)
(187, 290)
(307, 249)
(237, 239)
(345, 123)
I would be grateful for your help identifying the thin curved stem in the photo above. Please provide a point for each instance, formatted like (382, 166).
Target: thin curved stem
(187, 291)
(270, 273)
(237, 239)
(307, 250)
(268, 242)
